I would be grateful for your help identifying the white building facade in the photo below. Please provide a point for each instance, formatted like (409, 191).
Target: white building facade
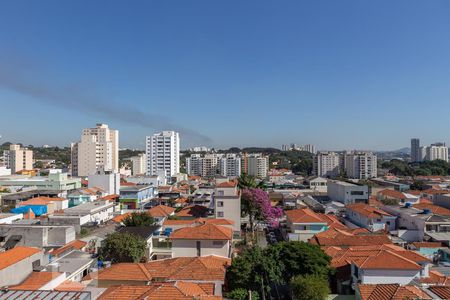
(139, 164)
(326, 164)
(360, 165)
(17, 158)
(163, 153)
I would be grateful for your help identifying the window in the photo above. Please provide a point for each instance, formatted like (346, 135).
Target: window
(199, 252)
(220, 214)
(220, 193)
(217, 243)
(220, 203)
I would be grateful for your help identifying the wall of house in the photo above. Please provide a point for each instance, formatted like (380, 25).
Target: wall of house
(388, 276)
(19, 271)
(188, 248)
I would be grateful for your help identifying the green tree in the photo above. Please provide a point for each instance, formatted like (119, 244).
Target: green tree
(253, 270)
(299, 258)
(122, 247)
(139, 219)
(309, 287)
(241, 294)
(246, 181)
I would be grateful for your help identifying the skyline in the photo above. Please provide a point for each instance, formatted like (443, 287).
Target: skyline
(345, 75)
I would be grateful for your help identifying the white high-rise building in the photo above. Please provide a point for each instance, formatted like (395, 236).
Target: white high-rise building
(360, 165)
(139, 164)
(437, 151)
(310, 148)
(256, 165)
(203, 165)
(326, 164)
(230, 165)
(98, 150)
(163, 153)
(18, 159)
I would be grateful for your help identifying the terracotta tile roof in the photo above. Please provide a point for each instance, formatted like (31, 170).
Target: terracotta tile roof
(36, 280)
(15, 255)
(41, 201)
(203, 232)
(111, 197)
(227, 184)
(367, 210)
(159, 291)
(442, 292)
(68, 286)
(391, 292)
(194, 211)
(414, 192)
(216, 221)
(438, 210)
(74, 245)
(206, 268)
(387, 260)
(342, 238)
(435, 277)
(419, 245)
(392, 194)
(425, 200)
(306, 215)
(161, 211)
(435, 192)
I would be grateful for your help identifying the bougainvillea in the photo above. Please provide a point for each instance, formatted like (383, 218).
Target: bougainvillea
(257, 206)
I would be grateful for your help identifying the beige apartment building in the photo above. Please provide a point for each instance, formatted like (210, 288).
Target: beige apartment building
(18, 158)
(98, 150)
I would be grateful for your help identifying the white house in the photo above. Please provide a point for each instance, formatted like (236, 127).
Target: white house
(227, 203)
(370, 217)
(203, 240)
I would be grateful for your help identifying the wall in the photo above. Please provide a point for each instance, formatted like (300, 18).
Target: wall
(188, 248)
(19, 271)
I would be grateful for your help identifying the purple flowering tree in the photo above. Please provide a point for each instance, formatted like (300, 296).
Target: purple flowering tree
(256, 205)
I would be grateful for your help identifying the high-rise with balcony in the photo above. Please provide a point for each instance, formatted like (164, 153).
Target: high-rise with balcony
(437, 151)
(360, 165)
(230, 165)
(256, 165)
(18, 158)
(98, 150)
(326, 164)
(163, 153)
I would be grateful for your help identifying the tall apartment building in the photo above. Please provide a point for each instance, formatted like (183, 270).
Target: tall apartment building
(415, 150)
(230, 165)
(18, 159)
(139, 164)
(256, 165)
(163, 153)
(360, 165)
(326, 164)
(98, 150)
(437, 151)
(310, 148)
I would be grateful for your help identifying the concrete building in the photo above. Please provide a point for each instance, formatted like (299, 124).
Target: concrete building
(256, 165)
(415, 150)
(310, 148)
(227, 203)
(55, 181)
(40, 236)
(230, 165)
(139, 164)
(18, 158)
(97, 150)
(326, 164)
(18, 263)
(136, 196)
(371, 218)
(107, 181)
(347, 193)
(360, 165)
(163, 153)
(203, 165)
(437, 151)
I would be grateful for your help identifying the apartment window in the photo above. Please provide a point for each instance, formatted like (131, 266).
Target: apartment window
(220, 193)
(220, 214)
(220, 203)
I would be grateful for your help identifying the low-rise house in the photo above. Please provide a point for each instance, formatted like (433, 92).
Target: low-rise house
(371, 218)
(348, 238)
(428, 249)
(304, 223)
(203, 240)
(91, 213)
(58, 203)
(192, 212)
(317, 184)
(69, 247)
(84, 195)
(40, 281)
(18, 263)
(389, 292)
(161, 212)
(41, 236)
(15, 198)
(172, 225)
(136, 196)
(7, 218)
(347, 193)
(75, 264)
(400, 197)
(207, 269)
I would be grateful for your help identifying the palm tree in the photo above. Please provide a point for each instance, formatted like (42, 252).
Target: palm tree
(246, 181)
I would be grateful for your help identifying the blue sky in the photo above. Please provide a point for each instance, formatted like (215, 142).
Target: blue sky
(338, 74)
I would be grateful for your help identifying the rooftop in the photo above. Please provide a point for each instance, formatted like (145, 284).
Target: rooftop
(10, 257)
(391, 292)
(203, 232)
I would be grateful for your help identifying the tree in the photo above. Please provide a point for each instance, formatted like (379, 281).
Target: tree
(246, 181)
(242, 294)
(139, 219)
(309, 287)
(253, 271)
(122, 247)
(256, 205)
(299, 258)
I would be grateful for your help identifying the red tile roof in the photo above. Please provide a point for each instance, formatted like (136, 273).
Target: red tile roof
(419, 245)
(306, 215)
(227, 184)
(206, 268)
(161, 211)
(435, 277)
(367, 210)
(16, 254)
(74, 245)
(68, 286)
(433, 208)
(390, 292)
(387, 260)
(194, 211)
(345, 238)
(442, 292)
(392, 194)
(203, 232)
(36, 280)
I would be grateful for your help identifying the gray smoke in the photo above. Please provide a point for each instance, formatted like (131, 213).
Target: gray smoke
(84, 100)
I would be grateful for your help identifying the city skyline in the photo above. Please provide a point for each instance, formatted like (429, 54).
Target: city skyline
(337, 75)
